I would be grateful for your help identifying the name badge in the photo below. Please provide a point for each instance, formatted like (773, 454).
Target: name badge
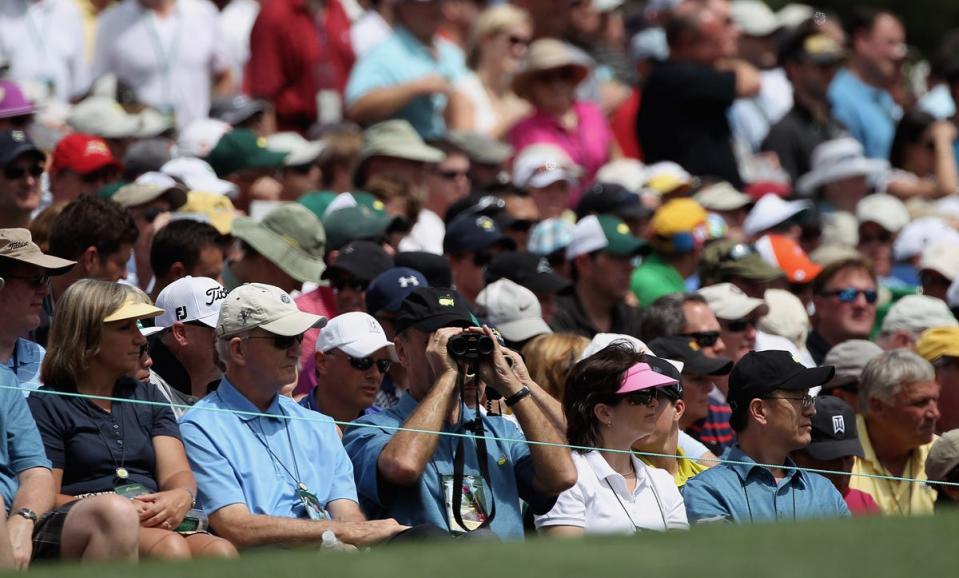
(314, 510)
(472, 508)
(131, 491)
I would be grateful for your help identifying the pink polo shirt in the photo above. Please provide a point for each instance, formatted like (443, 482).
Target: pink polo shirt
(588, 144)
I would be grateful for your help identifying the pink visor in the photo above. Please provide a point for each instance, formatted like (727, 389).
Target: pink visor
(642, 376)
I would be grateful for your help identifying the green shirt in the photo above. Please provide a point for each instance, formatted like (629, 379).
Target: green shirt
(655, 278)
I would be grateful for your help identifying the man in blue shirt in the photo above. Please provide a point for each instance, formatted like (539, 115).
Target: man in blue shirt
(772, 416)
(25, 271)
(412, 476)
(859, 94)
(269, 471)
(410, 74)
(98, 528)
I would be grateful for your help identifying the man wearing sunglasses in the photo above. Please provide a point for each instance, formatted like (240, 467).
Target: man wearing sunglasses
(22, 164)
(772, 416)
(25, 272)
(844, 297)
(738, 316)
(310, 487)
(352, 358)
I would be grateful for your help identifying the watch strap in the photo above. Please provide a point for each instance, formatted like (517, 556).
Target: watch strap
(518, 396)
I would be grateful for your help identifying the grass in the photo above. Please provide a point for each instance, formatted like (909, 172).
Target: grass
(874, 548)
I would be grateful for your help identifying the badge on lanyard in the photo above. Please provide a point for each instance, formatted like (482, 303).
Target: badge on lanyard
(314, 510)
(131, 491)
(472, 505)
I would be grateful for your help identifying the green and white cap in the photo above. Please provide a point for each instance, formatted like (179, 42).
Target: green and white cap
(603, 233)
(257, 305)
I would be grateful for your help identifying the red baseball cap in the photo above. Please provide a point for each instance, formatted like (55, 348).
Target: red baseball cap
(82, 154)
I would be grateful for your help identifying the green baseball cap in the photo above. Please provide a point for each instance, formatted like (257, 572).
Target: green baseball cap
(241, 149)
(723, 260)
(357, 223)
(604, 233)
(317, 201)
(291, 237)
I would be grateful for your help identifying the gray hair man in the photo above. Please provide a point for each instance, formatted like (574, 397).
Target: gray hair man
(899, 404)
(849, 358)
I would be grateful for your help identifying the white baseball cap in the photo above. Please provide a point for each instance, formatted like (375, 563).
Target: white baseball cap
(198, 175)
(916, 313)
(541, 165)
(772, 210)
(190, 299)
(200, 137)
(885, 210)
(755, 18)
(513, 309)
(356, 334)
(921, 233)
(299, 151)
(257, 305)
(943, 258)
(730, 303)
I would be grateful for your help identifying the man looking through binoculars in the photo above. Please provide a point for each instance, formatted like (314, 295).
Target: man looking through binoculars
(411, 474)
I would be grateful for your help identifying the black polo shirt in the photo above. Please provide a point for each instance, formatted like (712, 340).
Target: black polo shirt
(682, 118)
(795, 136)
(88, 443)
(570, 317)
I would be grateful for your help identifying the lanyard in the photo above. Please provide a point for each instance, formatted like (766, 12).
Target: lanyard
(118, 467)
(166, 56)
(296, 478)
(659, 504)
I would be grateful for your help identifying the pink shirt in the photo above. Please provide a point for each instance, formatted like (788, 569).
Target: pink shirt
(588, 144)
(319, 302)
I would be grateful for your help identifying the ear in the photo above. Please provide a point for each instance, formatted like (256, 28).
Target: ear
(399, 342)
(89, 261)
(603, 413)
(236, 350)
(583, 263)
(178, 331)
(331, 257)
(679, 409)
(320, 361)
(757, 411)
(876, 407)
(177, 270)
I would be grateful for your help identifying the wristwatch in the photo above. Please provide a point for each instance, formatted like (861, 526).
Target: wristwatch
(517, 397)
(28, 514)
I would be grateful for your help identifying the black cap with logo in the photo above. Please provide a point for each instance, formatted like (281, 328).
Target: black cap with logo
(834, 433)
(760, 373)
(429, 308)
(364, 260)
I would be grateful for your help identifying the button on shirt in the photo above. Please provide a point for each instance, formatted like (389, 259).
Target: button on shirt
(600, 502)
(894, 498)
(229, 457)
(89, 444)
(169, 61)
(400, 59)
(747, 492)
(44, 44)
(869, 113)
(510, 469)
(25, 364)
(22, 448)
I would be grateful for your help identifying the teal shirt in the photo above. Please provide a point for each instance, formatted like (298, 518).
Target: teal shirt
(655, 278)
(400, 59)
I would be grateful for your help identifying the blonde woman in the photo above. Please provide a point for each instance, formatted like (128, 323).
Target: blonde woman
(100, 447)
(495, 53)
(550, 358)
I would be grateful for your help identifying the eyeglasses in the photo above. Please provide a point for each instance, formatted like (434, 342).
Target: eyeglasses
(704, 338)
(364, 363)
(806, 401)
(850, 294)
(280, 341)
(740, 325)
(482, 259)
(15, 172)
(883, 237)
(35, 281)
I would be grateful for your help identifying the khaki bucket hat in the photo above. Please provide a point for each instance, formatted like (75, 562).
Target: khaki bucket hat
(290, 236)
(548, 54)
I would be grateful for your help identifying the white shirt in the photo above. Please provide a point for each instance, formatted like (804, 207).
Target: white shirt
(484, 115)
(427, 234)
(168, 61)
(600, 503)
(368, 31)
(44, 44)
(236, 23)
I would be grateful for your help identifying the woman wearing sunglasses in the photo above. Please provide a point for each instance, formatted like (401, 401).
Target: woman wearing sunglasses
(99, 446)
(613, 399)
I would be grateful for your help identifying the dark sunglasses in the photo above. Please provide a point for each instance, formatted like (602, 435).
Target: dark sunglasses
(704, 338)
(364, 363)
(15, 172)
(884, 237)
(566, 74)
(850, 294)
(35, 281)
(482, 259)
(280, 341)
(518, 40)
(643, 397)
(740, 325)
(450, 175)
(521, 225)
(100, 176)
(151, 214)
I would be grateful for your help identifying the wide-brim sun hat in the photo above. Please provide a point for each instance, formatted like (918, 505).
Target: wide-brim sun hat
(835, 160)
(548, 54)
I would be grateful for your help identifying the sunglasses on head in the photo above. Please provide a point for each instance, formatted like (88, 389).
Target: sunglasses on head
(364, 363)
(704, 338)
(14, 172)
(850, 294)
(280, 341)
(740, 325)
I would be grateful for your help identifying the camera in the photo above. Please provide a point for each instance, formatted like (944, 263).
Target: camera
(469, 347)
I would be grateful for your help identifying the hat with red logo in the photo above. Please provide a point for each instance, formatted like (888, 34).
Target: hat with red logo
(82, 153)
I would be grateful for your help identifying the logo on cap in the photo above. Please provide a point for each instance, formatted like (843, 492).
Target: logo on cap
(446, 301)
(622, 229)
(693, 345)
(543, 266)
(838, 425)
(180, 313)
(485, 223)
(215, 294)
(17, 245)
(18, 136)
(410, 281)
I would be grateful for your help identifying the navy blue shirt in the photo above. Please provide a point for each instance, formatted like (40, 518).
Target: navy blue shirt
(88, 443)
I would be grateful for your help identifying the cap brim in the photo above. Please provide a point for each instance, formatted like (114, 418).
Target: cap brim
(523, 329)
(133, 311)
(756, 269)
(55, 265)
(294, 323)
(547, 283)
(148, 331)
(21, 149)
(808, 377)
(438, 322)
(702, 365)
(367, 347)
(835, 449)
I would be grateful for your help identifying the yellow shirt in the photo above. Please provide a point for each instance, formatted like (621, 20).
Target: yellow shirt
(894, 498)
(687, 467)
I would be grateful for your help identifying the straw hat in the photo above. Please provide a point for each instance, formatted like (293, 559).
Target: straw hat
(547, 54)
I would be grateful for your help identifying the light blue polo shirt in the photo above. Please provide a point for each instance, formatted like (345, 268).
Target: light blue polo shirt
(745, 493)
(510, 470)
(25, 364)
(399, 59)
(233, 466)
(869, 113)
(21, 447)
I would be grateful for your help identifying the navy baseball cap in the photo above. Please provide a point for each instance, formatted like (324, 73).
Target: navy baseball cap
(390, 288)
(527, 269)
(611, 199)
(429, 308)
(471, 233)
(14, 143)
(364, 260)
(434, 267)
